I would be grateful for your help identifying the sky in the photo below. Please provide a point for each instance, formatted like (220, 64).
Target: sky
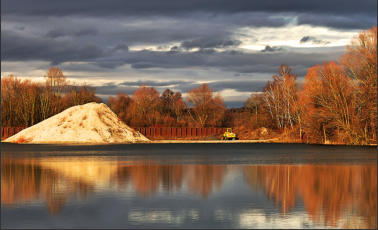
(234, 46)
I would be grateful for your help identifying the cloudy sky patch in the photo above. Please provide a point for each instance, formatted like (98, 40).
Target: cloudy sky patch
(235, 46)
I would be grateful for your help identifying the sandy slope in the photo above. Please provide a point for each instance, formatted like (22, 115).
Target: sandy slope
(92, 123)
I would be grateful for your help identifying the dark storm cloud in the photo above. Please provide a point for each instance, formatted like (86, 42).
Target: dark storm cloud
(122, 47)
(212, 27)
(307, 39)
(129, 87)
(174, 7)
(78, 33)
(311, 39)
(55, 33)
(337, 13)
(153, 83)
(235, 104)
(271, 49)
(241, 86)
(112, 89)
(23, 47)
(209, 42)
(227, 60)
(343, 21)
(17, 47)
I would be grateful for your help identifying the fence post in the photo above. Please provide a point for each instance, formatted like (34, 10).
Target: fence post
(149, 131)
(185, 134)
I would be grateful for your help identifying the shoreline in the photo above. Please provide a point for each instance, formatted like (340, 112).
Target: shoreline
(272, 141)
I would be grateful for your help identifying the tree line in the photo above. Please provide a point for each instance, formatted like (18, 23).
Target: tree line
(337, 102)
(147, 108)
(25, 103)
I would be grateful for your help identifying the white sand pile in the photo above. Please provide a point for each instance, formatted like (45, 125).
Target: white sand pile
(92, 123)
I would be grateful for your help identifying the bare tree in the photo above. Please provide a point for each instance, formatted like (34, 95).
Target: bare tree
(280, 98)
(55, 80)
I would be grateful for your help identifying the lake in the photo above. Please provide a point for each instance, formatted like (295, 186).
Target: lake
(188, 186)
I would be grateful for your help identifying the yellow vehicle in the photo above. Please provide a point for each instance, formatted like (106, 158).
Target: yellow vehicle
(229, 135)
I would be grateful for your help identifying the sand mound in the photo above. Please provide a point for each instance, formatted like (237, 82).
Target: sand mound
(92, 123)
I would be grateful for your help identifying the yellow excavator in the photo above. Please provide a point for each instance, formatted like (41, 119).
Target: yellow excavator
(229, 135)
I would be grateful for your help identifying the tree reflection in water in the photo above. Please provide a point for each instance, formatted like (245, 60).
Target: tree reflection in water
(327, 191)
(147, 177)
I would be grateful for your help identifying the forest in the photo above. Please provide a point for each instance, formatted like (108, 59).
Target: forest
(336, 103)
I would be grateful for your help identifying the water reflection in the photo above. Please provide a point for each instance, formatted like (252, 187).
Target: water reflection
(26, 181)
(328, 192)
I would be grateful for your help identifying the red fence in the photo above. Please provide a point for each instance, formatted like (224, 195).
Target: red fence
(179, 131)
(167, 132)
(10, 131)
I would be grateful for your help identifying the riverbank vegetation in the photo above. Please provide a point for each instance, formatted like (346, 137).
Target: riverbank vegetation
(337, 102)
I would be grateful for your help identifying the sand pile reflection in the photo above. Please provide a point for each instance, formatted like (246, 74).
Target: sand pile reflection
(25, 181)
(327, 191)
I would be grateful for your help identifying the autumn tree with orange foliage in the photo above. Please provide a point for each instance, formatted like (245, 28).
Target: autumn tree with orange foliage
(25, 103)
(360, 63)
(21, 102)
(341, 99)
(259, 114)
(79, 95)
(120, 106)
(208, 110)
(144, 107)
(330, 101)
(17, 100)
(171, 107)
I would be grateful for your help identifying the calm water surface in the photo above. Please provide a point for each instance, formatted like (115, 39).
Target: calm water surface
(188, 186)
